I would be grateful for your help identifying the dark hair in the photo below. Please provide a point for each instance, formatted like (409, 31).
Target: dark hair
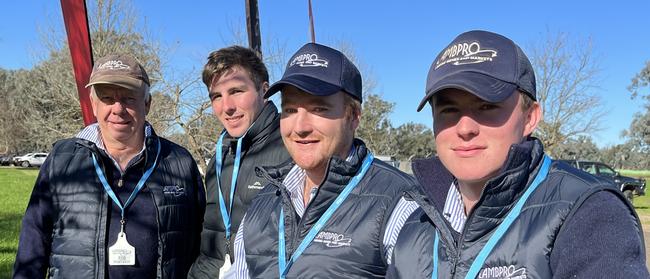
(223, 60)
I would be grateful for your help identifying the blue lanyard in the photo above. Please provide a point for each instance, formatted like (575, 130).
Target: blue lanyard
(233, 181)
(282, 257)
(138, 186)
(501, 229)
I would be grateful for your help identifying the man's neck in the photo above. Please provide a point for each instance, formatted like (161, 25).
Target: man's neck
(312, 179)
(123, 152)
(470, 193)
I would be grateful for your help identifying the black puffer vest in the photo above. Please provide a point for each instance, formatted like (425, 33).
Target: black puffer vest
(79, 238)
(349, 245)
(262, 146)
(523, 251)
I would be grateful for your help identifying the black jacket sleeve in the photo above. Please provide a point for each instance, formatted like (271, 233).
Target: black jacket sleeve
(212, 249)
(602, 239)
(200, 202)
(34, 246)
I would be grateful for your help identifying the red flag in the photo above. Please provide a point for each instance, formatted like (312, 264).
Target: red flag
(76, 26)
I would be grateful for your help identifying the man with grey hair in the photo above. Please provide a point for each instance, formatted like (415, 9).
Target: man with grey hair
(116, 201)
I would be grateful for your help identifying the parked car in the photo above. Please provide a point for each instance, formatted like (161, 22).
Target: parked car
(628, 185)
(30, 160)
(6, 160)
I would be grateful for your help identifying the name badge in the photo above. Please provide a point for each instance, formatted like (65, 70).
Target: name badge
(225, 267)
(121, 253)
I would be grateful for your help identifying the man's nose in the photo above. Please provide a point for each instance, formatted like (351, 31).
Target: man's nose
(119, 106)
(467, 127)
(228, 103)
(303, 125)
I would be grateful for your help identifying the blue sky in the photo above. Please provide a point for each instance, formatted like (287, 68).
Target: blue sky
(396, 40)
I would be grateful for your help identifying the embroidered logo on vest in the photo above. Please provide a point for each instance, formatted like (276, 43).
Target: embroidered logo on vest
(332, 239)
(502, 272)
(257, 186)
(174, 190)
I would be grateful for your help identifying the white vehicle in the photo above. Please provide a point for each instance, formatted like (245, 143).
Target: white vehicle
(30, 160)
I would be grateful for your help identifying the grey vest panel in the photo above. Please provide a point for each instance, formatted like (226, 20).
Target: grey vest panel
(80, 216)
(523, 250)
(350, 244)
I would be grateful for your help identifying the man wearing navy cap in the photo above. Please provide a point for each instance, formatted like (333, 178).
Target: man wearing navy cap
(330, 213)
(510, 210)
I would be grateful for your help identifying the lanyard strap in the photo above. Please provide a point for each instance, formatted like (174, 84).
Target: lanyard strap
(501, 229)
(233, 181)
(436, 239)
(283, 265)
(138, 186)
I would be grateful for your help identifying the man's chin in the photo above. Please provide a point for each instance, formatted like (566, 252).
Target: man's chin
(236, 132)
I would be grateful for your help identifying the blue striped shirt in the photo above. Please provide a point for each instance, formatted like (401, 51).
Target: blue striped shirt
(454, 210)
(294, 182)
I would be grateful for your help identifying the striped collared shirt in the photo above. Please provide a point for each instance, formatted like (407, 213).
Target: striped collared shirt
(93, 134)
(454, 210)
(294, 182)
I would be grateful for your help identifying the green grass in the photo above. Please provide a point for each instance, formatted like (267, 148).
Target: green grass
(642, 206)
(636, 173)
(15, 188)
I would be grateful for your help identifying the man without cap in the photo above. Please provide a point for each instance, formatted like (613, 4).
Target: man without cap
(236, 79)
(327, 213)
(495, 206)
(116, 201)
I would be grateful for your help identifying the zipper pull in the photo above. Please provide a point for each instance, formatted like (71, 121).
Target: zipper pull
(120, 182)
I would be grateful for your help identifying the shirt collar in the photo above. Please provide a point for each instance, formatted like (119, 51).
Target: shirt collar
(454, 210)
(93, 134)
(295, 180)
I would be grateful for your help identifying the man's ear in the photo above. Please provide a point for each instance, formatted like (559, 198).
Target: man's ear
(93, 103)
(147, 104)
(265, 87)
(356, 118)
(533, 117)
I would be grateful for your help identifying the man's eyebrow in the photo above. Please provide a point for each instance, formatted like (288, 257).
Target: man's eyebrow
(316, 101)
(442, 100)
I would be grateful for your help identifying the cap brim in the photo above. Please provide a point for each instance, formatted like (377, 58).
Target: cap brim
(121, 81)
(305, 83)
(483, 86)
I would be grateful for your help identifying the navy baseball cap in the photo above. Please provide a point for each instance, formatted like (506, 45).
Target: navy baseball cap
(483, 63)
(320, 70)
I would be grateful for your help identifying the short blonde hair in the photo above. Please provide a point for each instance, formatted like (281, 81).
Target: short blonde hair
(353, 105)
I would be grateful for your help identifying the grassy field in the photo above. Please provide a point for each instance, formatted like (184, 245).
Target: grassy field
(16, 188)
(636, 173)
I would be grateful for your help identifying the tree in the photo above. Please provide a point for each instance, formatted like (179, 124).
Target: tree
(375, 129)
(640, 80)
(619, 156)
(415, 141)
(580, 148)
(567, 76)
(638, 134)
(10, 131)
(45, 99)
